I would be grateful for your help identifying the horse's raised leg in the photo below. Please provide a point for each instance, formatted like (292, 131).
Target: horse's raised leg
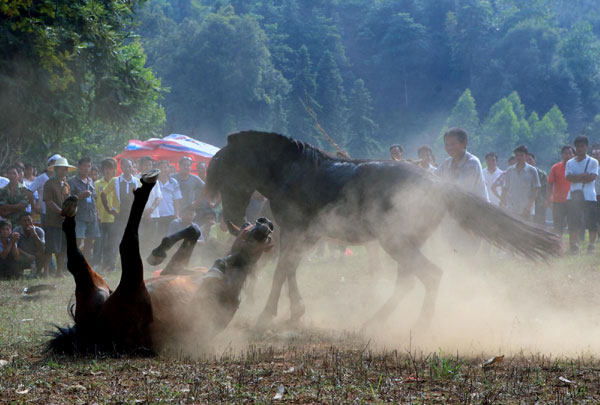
(181, 258)
(129, 248)
(159, 253)
(90, 288)
(127, 314)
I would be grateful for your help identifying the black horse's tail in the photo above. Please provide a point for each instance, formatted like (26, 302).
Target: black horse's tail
(499, 228)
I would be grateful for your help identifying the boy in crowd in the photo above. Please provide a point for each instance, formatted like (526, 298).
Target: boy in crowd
(168, 208)
(82, 186)
(37, 186)
(581, 171)
(491, 173)
(521, 185)
(558, 189)
(107, 221)
(31, 244)
(426, 158)
(119, 191)
(10, 265)
(396, 152)
(191, 186)
(15, 197)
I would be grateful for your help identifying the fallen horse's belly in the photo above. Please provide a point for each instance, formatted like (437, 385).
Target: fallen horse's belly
(187, 310)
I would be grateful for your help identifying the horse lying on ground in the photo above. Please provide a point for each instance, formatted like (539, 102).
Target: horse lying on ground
(162, 312)
(314, 194)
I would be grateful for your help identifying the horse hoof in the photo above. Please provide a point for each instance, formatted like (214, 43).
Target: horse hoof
(264, 321)
(297, 312)
(69, 206)
(150, 176)
(155, 259)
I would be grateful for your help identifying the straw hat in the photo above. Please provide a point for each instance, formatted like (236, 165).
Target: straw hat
(62, 162)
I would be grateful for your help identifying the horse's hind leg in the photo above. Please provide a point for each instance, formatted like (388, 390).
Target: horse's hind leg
(90, 289)
(428, 273)
(127, 314)
(131, 261)
(181, 258)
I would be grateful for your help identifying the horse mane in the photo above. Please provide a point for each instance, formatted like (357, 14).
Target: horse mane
(292, 148)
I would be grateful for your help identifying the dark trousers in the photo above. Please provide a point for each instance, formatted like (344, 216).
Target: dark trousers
(559, 217)
(11, 268)
(107, 251)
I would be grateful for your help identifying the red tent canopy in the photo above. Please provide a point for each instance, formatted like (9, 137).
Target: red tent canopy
(171, 148)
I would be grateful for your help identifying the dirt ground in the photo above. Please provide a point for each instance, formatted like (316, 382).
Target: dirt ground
(544, 319)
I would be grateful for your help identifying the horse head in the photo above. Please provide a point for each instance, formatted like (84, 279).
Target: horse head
(253, 240)
(224, 177)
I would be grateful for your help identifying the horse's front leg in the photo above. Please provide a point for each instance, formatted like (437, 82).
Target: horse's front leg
(181, 258)
(297, 308)
(289, 258)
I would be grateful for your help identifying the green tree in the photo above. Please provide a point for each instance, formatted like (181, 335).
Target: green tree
(361, 127)
(221, 76)
(304, 87)
(501, 128)
(463, 115)
(70, 70)
(549, 135)
(332, 99)
(581, 50)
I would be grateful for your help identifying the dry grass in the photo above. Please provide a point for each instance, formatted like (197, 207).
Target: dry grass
(319, 362)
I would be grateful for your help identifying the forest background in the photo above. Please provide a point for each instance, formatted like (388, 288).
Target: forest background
(81, 77)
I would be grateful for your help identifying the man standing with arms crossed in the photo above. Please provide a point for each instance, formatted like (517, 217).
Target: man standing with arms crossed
(581, 172)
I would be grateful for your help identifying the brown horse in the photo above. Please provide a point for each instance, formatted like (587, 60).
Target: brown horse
(166, 311)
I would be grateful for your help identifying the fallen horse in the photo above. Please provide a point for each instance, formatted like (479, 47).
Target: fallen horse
(162, 312)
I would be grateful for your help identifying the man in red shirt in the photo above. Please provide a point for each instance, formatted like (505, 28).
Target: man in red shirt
(558, 188)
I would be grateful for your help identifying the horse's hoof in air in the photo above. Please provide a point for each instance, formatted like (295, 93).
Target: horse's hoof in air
(150, 176)
(69, 206)
(154, 259)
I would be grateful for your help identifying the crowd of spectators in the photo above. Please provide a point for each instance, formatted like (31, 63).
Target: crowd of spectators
(524, 190)
(31, 236)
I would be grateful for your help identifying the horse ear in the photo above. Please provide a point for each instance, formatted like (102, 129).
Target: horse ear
(235, 230)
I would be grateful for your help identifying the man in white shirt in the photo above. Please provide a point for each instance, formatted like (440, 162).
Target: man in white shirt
(38, 186)
(521, 185)
(464, 170)
(461, 167)
(581, 171)
(491, 173)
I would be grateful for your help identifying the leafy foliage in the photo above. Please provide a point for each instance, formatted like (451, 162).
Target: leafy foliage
(72, 71)
(72, 78)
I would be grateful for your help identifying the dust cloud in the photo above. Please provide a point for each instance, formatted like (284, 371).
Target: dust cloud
(488, 303)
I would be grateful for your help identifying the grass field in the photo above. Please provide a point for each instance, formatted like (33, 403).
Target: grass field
(543, 318)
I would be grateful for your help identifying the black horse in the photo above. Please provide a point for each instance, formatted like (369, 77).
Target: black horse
(314, 194)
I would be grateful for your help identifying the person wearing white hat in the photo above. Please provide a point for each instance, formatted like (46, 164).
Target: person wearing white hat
(56, 190)
(38, 185)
